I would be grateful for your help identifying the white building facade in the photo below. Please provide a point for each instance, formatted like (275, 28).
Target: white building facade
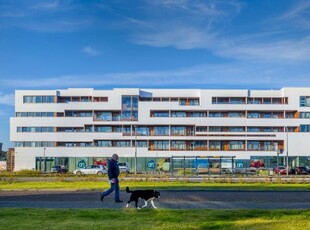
(78, 127)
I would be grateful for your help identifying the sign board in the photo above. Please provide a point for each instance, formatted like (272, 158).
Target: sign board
(226, 163)
(151, 164)
(81, 164)
(239, 164)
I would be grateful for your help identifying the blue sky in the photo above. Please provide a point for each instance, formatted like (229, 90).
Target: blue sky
(102, 44)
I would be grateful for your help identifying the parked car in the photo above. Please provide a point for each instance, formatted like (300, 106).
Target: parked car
(91, 169)
(281, 170)
(59, 169)
(299, 170)
(124, 167)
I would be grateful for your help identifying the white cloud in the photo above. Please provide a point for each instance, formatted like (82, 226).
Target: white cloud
(90, 51)
(48, 16)
(286, 50)
(234, 75)
(198, 24)
(12, 14)
(7, 99)
(60, 25)
(46, 5)
(299, 11)
(183, 24)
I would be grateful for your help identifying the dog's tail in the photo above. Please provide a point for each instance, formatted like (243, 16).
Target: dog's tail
(127, 190)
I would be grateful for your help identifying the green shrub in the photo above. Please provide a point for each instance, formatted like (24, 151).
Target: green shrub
(27, 172)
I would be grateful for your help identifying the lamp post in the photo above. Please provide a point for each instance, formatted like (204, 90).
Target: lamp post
(156, 161)
(44, 160)
(286, 150)
(135, 128)
(279, 151)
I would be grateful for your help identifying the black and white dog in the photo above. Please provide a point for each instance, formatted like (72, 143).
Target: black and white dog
(146, 195)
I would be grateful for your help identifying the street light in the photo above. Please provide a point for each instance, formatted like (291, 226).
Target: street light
(44, 160)
(135, 128)
(279, 151)
(286, 150)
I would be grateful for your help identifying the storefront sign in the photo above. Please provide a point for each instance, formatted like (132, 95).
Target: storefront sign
(151, 164)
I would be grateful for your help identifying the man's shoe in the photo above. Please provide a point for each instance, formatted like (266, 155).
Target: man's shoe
(118, 201)
(101, 198)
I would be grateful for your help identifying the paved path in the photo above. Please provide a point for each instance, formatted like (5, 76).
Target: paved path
(215, 199)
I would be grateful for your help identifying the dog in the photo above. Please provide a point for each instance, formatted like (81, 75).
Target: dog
(146, 195)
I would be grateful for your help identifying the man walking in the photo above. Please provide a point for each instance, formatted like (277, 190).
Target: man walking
(113, 173)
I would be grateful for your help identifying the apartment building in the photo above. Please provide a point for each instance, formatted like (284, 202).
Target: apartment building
(77, 127)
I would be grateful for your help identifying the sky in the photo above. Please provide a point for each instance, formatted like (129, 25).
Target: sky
(105, 44)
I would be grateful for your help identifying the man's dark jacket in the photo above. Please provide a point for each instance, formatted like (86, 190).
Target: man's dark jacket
(113, 169)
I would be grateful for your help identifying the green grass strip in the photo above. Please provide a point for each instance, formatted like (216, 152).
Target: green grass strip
(162, 185)
(12, 218)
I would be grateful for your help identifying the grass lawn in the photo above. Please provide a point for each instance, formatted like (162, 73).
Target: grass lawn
(32, 218)
(91, 184)
(12, 218)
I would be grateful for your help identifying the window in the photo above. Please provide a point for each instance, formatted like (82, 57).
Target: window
(214, 129)
(220, 100)
(253, 115)
(201, 129)
(141, 144)
(104, 116)
(104, 143)
(126, 103)
(252, 100)
(135, 102)
(268, 146)
(253, 145)
(305, 115)
(304, 101)
(236, 100)
(189, 101)
(198, 114)
(19, 144)
(235, 145)
(123, 144)
(178, 130)
(235, 114)
(266, 115)
(38, 99)
(216, 114)
(236, 129)
(253, 129)
(142, 131)
(215, 145)
(29, 99)
(178, 145)
(100, 99)
(160, 114)
(85, 99)
(178, 114)
(161, 145)
(103, 129)
(161, 130)
(267, 100)
(305, 128)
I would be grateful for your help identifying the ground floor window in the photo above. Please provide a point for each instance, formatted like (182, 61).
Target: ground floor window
(213, 165)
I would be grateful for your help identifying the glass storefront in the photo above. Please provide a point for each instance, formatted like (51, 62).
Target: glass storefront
(213, 165)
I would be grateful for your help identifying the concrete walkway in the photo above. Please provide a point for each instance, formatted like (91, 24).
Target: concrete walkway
(170, 199)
